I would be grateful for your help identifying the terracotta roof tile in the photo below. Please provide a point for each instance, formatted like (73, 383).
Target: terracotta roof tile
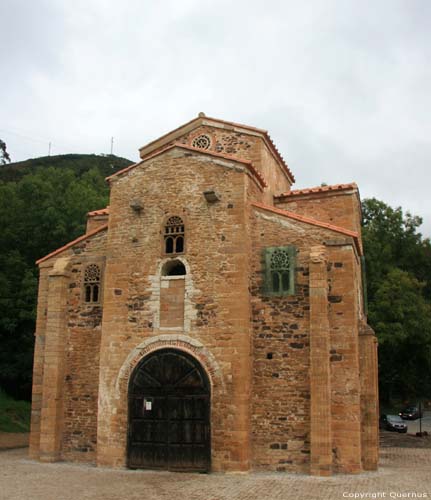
(72, 243)
(318, 189)
(263, 132)
(102, 211)
(271, 144)
(257, 175)
(314, 222)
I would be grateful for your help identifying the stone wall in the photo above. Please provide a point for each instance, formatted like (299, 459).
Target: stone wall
(66, 366)
(281, 394)
(216, 261)
(96, 221)
(281, 425)
(172, 302)
(344, 312)
(245, 147)
(340, 208)
(291, 386)
(81, 367)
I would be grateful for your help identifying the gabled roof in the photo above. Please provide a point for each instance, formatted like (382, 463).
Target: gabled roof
(247, 163)
(215, 122)
(313, 222)
(72, 243)
(317, 190)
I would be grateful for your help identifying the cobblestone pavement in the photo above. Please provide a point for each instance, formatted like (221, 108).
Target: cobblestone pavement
(402, 471)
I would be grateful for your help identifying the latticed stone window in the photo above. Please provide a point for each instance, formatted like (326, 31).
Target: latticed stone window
(279, 270)
(92, 277)
(201, 141)
(174, 235)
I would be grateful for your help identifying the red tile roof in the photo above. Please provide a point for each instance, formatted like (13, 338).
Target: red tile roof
(317, 190)
(102, 211)
(248, 164)
(72, 243)
(314, 222)
(263, 132)
(270, 142)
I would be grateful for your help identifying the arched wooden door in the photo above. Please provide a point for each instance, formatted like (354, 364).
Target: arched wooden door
(169, 413)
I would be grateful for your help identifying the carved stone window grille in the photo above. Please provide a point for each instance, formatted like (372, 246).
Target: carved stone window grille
(279, 270)
(174, 235)
(92, 278)
(201, 141)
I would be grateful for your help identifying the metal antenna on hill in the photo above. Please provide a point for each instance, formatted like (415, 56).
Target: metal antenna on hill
(112, 145)
(49, 149)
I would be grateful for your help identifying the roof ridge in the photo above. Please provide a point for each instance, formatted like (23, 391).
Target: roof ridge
(100, 211)
(264, 132)
(236, 124)
(73, 242)
(318, 189)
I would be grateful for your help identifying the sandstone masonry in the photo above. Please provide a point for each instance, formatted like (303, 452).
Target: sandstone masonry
(206, 260)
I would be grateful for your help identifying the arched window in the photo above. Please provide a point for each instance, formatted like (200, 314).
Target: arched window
(174, 235)
(174, 268)
(92, 275)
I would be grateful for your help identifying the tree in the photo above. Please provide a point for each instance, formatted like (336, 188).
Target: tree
(4, 155)
(38, 213)
(391, 239)
(43, 204)
(398, 262)
(402, 320)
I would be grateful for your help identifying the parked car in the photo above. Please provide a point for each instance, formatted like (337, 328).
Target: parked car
(393, 423)
(410, 413)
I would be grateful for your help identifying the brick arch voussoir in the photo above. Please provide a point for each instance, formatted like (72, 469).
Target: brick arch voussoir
(180, 342)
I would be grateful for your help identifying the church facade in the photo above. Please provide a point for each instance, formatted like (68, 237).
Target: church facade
(210, 319)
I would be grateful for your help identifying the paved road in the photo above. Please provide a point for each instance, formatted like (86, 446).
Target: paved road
(401, 471)
(413, 425)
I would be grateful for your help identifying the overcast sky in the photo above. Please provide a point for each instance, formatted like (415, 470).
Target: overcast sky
(342, 86)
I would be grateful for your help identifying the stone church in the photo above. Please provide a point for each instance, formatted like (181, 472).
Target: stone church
(210, 319)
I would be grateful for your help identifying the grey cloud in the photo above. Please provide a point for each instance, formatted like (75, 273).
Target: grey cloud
(342, 86)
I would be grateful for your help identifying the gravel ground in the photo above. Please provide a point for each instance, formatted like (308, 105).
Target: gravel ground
(402, 471)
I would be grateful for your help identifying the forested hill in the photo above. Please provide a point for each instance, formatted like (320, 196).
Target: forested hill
(43, 205)
(79, 163)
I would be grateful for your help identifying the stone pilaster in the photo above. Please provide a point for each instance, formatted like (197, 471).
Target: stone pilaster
(320, 375)
(53, 367)
(369, 398)
(39, 347)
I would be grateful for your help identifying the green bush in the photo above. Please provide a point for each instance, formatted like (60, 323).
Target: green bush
(14, 415)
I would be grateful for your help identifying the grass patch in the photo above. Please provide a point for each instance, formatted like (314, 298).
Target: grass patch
(14, 415)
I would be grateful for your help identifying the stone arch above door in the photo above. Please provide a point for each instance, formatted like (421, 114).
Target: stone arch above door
(181, 342)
